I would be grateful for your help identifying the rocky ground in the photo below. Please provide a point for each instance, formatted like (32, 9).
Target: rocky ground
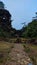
(17, 56)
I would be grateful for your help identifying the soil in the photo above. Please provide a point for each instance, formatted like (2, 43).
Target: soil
(17, 56)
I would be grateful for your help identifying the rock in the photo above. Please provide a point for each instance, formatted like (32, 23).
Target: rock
(28, 59)
(26, 62)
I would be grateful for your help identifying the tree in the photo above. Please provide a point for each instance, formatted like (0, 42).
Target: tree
(5, 22)
(30, 31)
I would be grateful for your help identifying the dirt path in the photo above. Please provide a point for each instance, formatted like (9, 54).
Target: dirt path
(18, 56)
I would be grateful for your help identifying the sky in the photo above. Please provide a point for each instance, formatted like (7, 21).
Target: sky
(21, 11)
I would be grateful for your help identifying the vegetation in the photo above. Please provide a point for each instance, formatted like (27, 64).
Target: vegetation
(31, 50)
(28, 34)
(30, 31)
(5, 48)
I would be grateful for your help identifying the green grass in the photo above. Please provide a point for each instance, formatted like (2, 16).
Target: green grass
(5, 48)
(31, 50)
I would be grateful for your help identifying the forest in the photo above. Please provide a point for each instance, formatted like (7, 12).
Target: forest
(28, 31)
(17, 47)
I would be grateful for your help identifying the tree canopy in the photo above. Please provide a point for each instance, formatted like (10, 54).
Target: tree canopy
(30, 31)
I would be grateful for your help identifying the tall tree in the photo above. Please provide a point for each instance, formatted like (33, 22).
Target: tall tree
(30, 31)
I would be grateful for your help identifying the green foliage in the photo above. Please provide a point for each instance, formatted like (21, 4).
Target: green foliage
(31, 49)
(26, 49)
(5, 23)
(30, 31)
(4, 34)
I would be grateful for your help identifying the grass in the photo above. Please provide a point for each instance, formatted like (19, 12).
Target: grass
(31, 50)
(5, 48)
